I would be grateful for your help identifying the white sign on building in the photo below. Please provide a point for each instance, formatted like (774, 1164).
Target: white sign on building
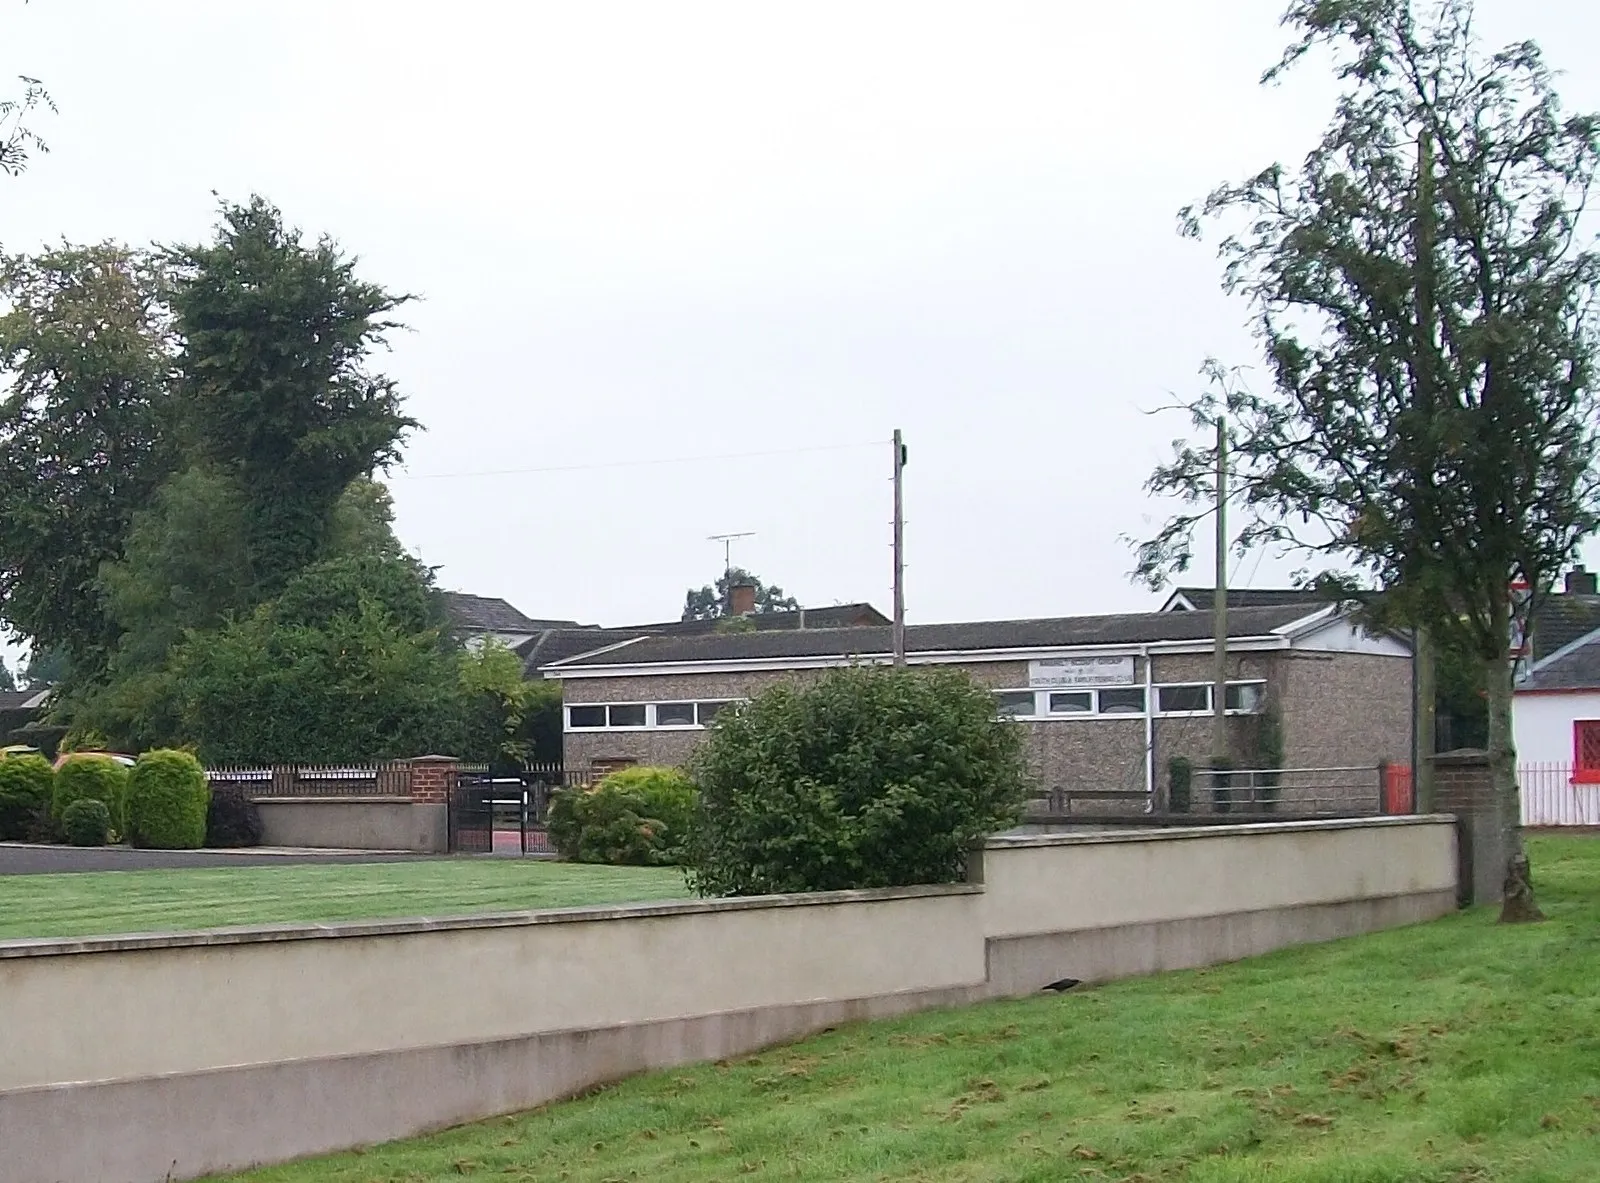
(1056, 672)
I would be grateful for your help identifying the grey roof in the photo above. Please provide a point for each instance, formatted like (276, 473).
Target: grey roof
(1561, 619)
(1576, 670)
(1056, 632)
(1204, 598)
(16, 700)
(487, 614)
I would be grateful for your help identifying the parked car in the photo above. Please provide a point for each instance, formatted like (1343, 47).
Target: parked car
(125, 761)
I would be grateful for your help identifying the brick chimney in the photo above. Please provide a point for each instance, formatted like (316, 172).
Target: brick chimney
(1581, 582)
(742, 599)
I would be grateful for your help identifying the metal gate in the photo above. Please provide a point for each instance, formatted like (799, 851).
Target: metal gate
(502, 814)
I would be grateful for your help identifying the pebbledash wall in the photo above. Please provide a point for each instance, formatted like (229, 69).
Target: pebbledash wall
(1335, 709)
(217, 1051)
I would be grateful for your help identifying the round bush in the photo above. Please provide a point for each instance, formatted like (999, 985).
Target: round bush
(91, 778)
(634, 817)
(87, 822)
(26, 785)
(232, 819)
(167, 801)
(868, 777)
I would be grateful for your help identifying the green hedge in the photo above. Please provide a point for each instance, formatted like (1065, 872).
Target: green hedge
(167, 800)
(91, 778)
(634, 817)
(26, 785)
(87, 822)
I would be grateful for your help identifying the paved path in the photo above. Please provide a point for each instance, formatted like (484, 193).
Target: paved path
(17, 859)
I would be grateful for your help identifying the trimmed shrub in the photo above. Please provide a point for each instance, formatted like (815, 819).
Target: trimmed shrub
(232, 819)
(91, 778)
(634, 817)
(26, 785)
(87, 822)
(167, 801)
(868, 777)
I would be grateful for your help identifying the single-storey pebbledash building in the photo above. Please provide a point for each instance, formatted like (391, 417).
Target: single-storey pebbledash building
(1107, 701)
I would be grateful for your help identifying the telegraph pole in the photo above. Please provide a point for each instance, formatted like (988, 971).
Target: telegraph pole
(1219, 690)
(899, 552)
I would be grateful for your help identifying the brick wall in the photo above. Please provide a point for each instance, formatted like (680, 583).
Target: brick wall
(432, 778)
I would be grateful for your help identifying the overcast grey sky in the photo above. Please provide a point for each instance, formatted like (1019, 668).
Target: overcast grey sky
(654, 231)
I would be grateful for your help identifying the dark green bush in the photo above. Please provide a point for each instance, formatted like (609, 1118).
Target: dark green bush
(167, 801)
(1180, 775)
(26, 785)
(87, 822)
(869, 777)
(232, 819)
(634, 817)
(91, 778)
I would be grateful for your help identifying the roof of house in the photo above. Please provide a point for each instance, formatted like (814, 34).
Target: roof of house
(22, 700)
(1052, 633)
(1203, 599)
(1575, 666)
(489, 614)
(1559, 620)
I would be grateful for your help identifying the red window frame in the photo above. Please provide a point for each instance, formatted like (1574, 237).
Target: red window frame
(1586, 751)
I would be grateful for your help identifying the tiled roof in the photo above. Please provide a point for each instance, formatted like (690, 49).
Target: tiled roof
(1056, 632)
(487, 614)
(1560, 620)
(1204, 598)
(1577, 670)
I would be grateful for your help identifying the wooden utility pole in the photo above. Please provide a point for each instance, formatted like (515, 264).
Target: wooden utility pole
(1219, 689)
(1425, 712)
(899, 552)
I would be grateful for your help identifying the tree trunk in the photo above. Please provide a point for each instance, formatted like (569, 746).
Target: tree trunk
(1517, 905)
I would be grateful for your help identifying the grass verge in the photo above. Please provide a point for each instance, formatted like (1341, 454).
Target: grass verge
(1454, 1052)
(177, 900)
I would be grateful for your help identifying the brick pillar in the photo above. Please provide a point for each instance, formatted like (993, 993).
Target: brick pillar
(432, 778)
(1464, 786)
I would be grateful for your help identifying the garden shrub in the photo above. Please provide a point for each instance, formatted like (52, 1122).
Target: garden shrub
(167, 801)
(232, 819)
(91, 778)
(26, 785)
(868, 777)
(633, 817)
(87, 822)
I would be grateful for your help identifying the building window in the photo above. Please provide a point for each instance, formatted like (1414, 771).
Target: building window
(1245, 697)
(626, 715)
(1014, 704)
(707, 711)
(1071, 702)
(1122, 702)
(1183, 699)
(581, 717)
(674, 714)
(1586, 751)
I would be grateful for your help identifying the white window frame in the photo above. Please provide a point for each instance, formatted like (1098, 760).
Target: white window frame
(1041, 712)
(1205, 714)
(651, 723)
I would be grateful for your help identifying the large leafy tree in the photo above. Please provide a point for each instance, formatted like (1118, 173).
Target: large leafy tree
(18, 140)
(276, 388)
(1426, 302)
(711, 602)
(86, 350)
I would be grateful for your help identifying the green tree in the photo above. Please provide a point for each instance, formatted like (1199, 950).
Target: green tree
(711, 601)
(868, 777)
(85, 350)
(1427, 304)
(46, 667)
(18, 141)
(276, 390)
(7, 682)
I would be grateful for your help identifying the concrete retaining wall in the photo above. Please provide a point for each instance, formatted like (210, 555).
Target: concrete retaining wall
(216, 1051)
(354, 823)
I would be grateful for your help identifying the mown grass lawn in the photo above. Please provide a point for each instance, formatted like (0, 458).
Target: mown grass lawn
(166, 900)
(1455, 1052)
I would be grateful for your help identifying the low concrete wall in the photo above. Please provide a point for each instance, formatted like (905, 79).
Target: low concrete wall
(354, 823)
(337, 1035)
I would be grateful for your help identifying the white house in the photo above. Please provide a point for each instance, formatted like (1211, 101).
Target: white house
(1555, 713)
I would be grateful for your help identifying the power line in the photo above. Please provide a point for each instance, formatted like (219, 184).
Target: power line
(446, 476)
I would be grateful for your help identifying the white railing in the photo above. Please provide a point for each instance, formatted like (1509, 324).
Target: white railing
(1550, 797)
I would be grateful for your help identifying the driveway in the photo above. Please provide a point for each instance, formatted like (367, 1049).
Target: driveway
(18, 859)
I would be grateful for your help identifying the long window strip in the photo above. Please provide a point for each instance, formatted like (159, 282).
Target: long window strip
(643, 716)
(1124, 702)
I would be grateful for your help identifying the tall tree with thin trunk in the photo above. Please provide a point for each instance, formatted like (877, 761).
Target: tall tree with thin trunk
(1425, 297)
